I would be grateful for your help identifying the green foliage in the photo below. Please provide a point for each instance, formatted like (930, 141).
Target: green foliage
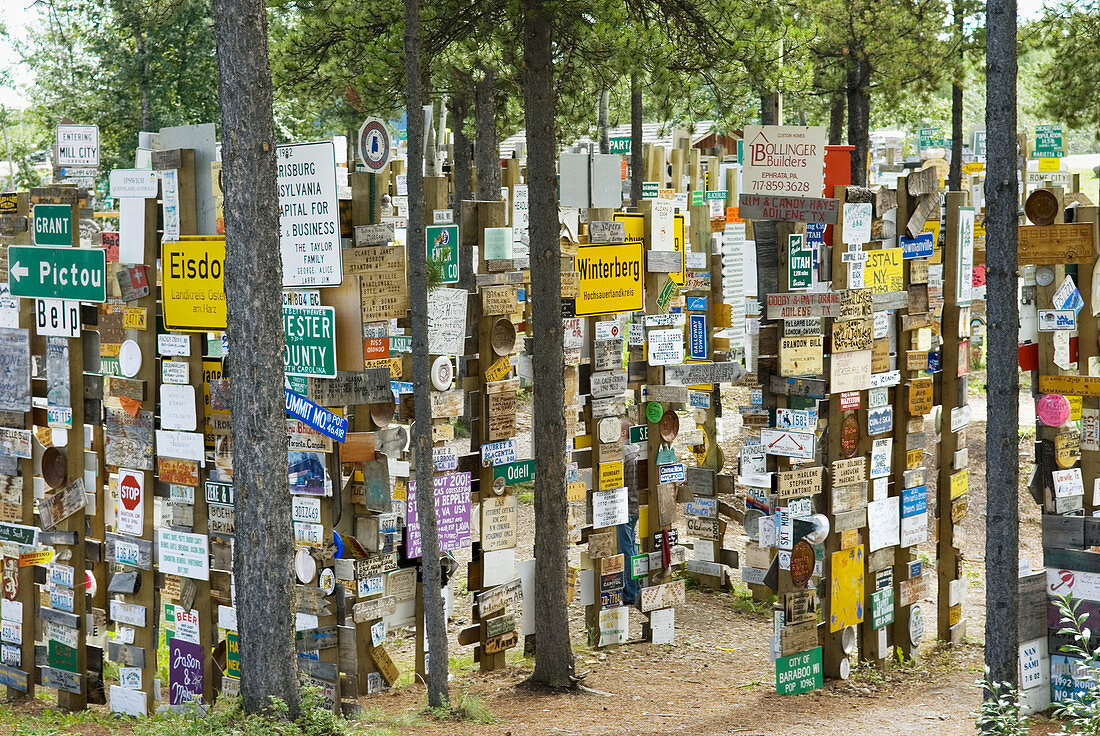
(999, 713)
(126, 65)
(1083, 708)
(467, 708)
(23, 145)
(1067, 94)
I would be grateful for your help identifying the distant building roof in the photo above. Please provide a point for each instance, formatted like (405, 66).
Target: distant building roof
(656, 133)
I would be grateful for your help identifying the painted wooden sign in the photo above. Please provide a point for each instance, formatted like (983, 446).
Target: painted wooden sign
(846, 588)
(1055, 244)
(788, 208)
(799, 483)
(1070, 385)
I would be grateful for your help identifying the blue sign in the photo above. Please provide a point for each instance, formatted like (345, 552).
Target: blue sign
(401, 387)
(671, 473)
(318, 417)
(697, 335)
(934, 362)
(918, 247)
(914, 501)
(697, 303)
(815, 234)
(880, 421)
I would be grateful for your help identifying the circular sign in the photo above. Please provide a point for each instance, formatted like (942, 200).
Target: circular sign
(1041, 207)
(845, 669)
(803, 560)
(916, 625)
(849, 436)
(338, 543)
(443, 373)
(1052, 409)
(382, 413)
(669, 426)
(374, 144)
(55, 467)
(498, 486)
(90, 582)
(654, 411)
(503, 336)
(305, 567)
(129, 358)
(1044, 275)
(129, 491)
(327, 582)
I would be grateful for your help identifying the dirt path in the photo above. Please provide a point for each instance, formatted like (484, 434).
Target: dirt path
(717, 678)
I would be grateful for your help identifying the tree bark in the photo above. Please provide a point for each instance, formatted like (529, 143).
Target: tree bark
(486, 146)
(435, 625)
(769, 108)
(253, 288)
(605, 144)
(836, 118)
(554, 657)
(459, 105)
(1002, 432)
(954, 176)
(637, 165)
(859, 117)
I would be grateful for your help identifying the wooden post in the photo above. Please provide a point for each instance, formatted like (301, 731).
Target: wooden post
(950, 623)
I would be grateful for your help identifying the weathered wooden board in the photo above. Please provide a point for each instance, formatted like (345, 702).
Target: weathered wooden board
(1055, 244)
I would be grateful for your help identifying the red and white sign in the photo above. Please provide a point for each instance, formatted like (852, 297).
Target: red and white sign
(187, 625)
(849, 400)
(131, 508)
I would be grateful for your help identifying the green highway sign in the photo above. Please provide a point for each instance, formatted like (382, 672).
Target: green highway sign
(220, 494)
(619, 145)
(58, 273)
(52, 224)
(931, 137)
(799, 673)
(800, 262)
(442, 242)
(1048, 141)
(517, 472)
(310, 341)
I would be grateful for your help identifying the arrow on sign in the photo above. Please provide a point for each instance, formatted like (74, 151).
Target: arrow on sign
(788, 442)
(19, 271)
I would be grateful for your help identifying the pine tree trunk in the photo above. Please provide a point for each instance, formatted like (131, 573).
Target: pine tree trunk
(435, 625)
(459, 106)
(769, 109)
(554, 658)
(637, 164)
(253, 288)
(1002, 431)
(605, 144)
(486, 147)
(954, 176)
(836, 118)
(859, 117)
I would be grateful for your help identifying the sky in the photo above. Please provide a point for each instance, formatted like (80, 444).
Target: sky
(18, 14)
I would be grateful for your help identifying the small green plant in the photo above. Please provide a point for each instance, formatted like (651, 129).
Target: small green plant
(999, 713)
(1083, 706)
